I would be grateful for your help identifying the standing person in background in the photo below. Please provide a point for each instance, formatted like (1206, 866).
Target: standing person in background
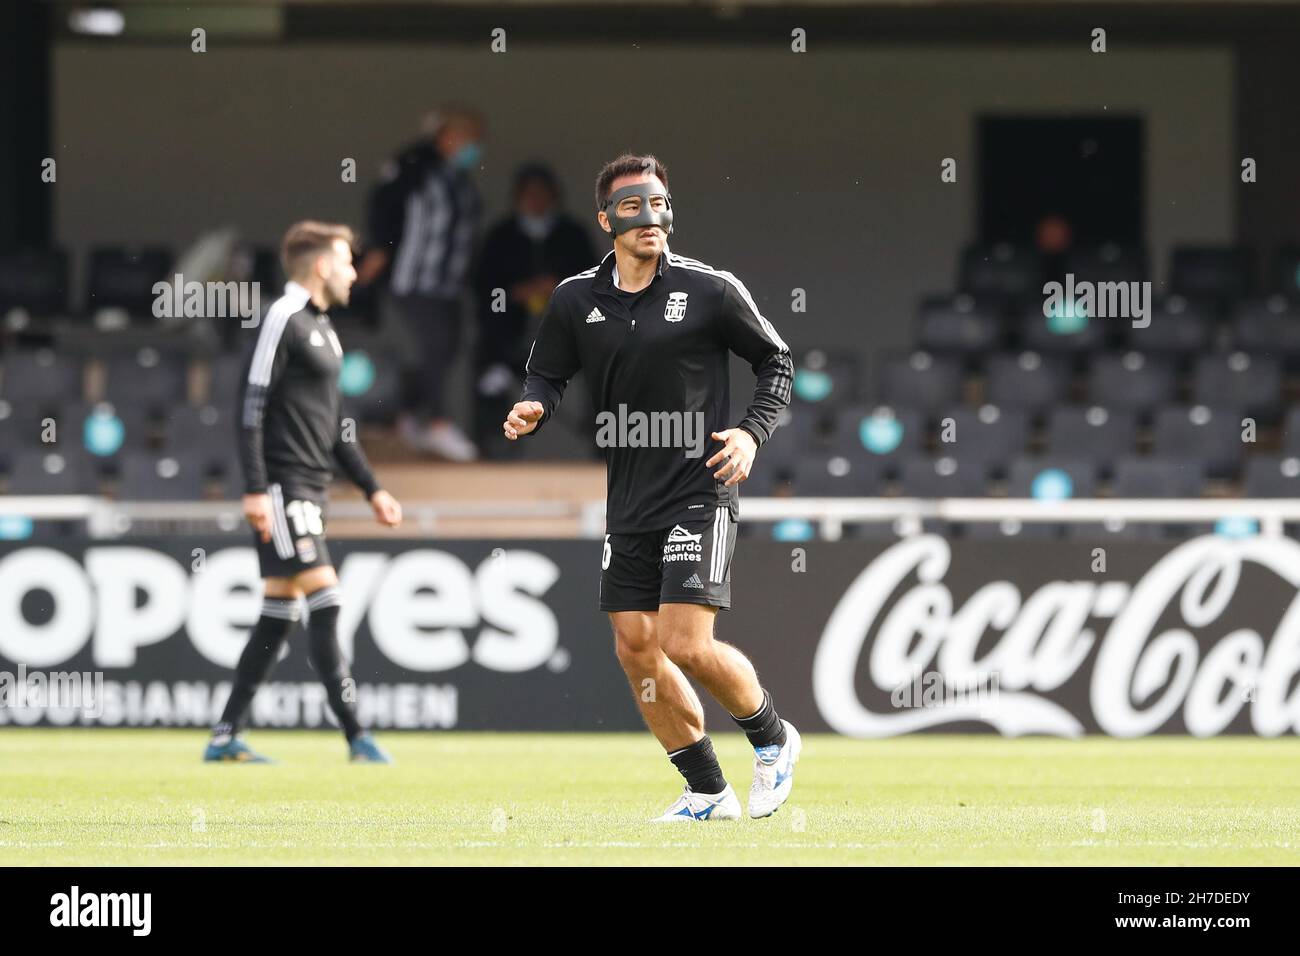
(424, 221)
(525, 255)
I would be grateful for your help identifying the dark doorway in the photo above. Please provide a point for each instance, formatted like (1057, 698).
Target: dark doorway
(1085, 170)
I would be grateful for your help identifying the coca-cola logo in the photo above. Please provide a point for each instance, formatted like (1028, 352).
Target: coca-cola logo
(1140, 677)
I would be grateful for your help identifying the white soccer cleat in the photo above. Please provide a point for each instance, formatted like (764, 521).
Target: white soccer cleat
(692, 807)
(774, 774)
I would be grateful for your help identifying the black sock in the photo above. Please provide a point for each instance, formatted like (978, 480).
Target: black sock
(323, 651)
(699, 766)
(257, 661)
(763, 727)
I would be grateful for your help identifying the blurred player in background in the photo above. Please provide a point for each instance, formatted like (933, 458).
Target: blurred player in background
(653, 331)
(292, 436)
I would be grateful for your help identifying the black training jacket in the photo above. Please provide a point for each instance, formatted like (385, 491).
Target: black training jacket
(290, 404)
(664, 349)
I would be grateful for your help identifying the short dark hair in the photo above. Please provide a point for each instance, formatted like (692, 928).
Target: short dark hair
(536, 173)
(310, 238)
(629, 164)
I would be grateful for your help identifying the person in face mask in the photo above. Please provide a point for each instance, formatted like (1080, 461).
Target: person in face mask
(525, 254)
(423, 225)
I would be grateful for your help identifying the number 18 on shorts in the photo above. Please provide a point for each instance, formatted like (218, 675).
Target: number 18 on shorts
(297, 535)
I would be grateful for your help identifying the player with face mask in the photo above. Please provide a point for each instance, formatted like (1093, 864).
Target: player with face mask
(653, 332)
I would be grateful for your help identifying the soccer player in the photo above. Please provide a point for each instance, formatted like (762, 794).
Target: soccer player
(653, 331)
(291, 438)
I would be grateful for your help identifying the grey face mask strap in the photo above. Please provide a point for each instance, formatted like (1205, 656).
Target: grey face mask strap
(645, 216)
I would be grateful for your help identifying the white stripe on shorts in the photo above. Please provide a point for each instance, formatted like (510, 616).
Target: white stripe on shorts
(719, 545)
(280, 524)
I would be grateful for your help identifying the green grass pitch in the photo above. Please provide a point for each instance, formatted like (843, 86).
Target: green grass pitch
(142, 797)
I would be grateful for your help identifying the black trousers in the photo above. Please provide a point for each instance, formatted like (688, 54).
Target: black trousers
(432, 327)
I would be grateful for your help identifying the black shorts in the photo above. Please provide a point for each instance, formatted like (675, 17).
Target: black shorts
(689, 563)
(297, 534)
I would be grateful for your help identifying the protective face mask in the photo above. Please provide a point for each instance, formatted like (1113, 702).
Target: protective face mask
(536, 227)
(468, 156)
(645, 216)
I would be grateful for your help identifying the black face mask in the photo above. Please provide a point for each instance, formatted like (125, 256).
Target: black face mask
(645, 215)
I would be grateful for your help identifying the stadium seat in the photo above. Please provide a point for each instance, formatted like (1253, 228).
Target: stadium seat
(208, 432)
(764, 481)
(1284, 271)
(920, 381)
(49, 472)
(877, 432)
(1027, 380)
(1212, 435)
(225, 374)
(955, 324)
(148, 377)
(1094, 432)
(34, 280)
(837, 476)
(1239, 380)
(260, 264)
(15, 433)
(1177, 326)
(1130, 380)
(1158, 478)
(1052, 478)
(370, 382)
(942, 477)
(40, 377)
(103, 429)
(1107, 262)
(1216, 274)
(1001, 271)
(1272, 476)
(1289, 439)
(989, 434)
(1267, 327)
(123, 278)
(800, 429)
(25, 416)
(1066, 329)
(144, 476)
(828, 378)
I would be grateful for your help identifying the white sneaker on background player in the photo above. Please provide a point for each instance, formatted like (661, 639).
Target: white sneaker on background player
(447, 441)
(774, 774)
(693, 807)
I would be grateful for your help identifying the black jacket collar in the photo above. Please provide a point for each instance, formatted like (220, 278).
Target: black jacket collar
(604, 280)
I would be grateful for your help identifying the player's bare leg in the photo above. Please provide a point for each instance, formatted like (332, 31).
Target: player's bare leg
(667, 701)
(686, 636)
(674, 715)
(284, 588)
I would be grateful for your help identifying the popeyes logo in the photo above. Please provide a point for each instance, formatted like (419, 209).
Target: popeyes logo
(1139, 680)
